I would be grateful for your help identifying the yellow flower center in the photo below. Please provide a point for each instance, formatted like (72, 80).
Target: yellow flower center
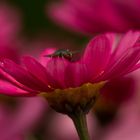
(66, 100)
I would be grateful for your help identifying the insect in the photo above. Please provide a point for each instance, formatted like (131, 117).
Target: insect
(62, 53)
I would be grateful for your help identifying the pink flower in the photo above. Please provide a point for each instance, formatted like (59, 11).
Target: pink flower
(9, 28)
(89, 16)
(9, 23)
(104, 58)
(130, 10)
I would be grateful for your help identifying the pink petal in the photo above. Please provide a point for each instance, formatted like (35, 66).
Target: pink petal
(76, 75)
(9, 89)
(136, 67)
(43, 57)
(20, 74)
(125, 63)
(97, 55)
(127, 41)
(10, 79)
(56, 72)
(111, 37)
(36, 69)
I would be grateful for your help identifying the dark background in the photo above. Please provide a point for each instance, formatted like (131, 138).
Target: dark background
(36, 22)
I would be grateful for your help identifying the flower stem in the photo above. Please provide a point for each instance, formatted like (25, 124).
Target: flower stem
(79, 120)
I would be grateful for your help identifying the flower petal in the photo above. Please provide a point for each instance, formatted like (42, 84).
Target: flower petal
(43, 57)
(9, 89)
(56, 72)
(136, 67)
(111, 37)
(97, 55)
(76, 75)
(20, 74)
(127, 41)
(37, 70)
(9, 78)
(125, 63)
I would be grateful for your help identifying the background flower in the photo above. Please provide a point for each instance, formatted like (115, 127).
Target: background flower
(129, 9)
(90, 17)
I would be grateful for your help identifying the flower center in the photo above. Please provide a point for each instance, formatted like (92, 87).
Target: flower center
(67, 100)
(62, 53)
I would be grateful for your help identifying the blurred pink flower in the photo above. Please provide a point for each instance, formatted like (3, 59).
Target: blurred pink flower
(10, 52)
(130, 10)
(92, 16)
(119, 90)
(104, 59)
(9, 27)
(123, 94)
(126, 126)
(19, 122)
(114, 95)
(10, 23)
